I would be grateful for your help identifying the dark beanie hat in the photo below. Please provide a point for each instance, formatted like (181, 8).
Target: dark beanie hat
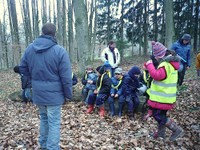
(134, 70)
(186, 37)
(100, 69)
(16, 69)
(49, 29)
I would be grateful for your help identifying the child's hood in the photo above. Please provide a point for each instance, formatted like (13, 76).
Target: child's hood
(173, 60)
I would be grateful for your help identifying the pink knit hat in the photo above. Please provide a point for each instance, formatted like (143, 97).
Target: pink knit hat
(158, 49)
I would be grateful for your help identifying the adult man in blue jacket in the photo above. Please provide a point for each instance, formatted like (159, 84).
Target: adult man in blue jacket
(50, 69)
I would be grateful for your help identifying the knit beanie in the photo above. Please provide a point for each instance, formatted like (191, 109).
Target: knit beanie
(158, 49)
(100, 69)
(134, 70)
(107, 65)
(186, 37)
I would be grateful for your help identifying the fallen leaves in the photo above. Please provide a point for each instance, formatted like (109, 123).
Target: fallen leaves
(19, 126)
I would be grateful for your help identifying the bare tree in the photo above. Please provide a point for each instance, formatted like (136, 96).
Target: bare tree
(196, 24)
(81, 25)
(72, 54)
(14, 27)
(44, 11)
(59, 18)
(169, 27)
(35, 18)
(26, 21)
(64, 32)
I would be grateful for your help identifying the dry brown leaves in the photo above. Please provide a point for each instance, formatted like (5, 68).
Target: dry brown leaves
(19, 126)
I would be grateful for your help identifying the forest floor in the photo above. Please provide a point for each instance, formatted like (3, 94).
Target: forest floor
(19, 125)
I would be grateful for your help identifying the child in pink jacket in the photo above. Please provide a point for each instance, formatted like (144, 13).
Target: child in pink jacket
(163, 90)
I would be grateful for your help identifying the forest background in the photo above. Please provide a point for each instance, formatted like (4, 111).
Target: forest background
(85, 26)
(84, 29)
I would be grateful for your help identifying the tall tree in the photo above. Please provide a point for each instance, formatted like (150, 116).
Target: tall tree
(81, 26)
(196, 25)
(155, 20)
(14, 24)
(59, 18)
(71, 33)
(26, 21)
(169, 27)
(35, 18)
(44, 11)
(64, 20)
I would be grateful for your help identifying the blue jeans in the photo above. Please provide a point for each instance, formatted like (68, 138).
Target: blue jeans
(50, 117)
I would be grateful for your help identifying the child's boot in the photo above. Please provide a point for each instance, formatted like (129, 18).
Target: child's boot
(149, 114)
(102, 111)
(176, 130)
(160, 133)
(90, 109)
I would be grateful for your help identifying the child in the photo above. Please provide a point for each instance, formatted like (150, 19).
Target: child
(26, 85)
(130, 86)
(101, 92)
(116, 90)
(162, 93)
(198, 64)
(89, 82)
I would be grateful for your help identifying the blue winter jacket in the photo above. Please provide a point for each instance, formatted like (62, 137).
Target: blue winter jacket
(183, 51)
(50, 70)
(114, 89)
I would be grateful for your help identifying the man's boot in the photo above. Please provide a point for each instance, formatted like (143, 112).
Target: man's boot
(176, 130)
(90, 109)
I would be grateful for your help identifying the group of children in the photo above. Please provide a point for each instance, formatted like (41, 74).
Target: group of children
(160, 77)
(100, 86)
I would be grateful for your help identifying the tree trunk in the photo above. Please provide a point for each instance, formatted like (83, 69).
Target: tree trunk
(169, 27)
(94, 32)
(196, 24)
(44, 13)
(109, 37)
(155, 22)
(35, 18)
(145, 27)
(59, 18)
(72, 53)
(64, 32)
(81, 26)
(14, 24)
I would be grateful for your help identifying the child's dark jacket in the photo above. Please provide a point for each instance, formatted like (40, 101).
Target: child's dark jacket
(106, 84)
(130, 85)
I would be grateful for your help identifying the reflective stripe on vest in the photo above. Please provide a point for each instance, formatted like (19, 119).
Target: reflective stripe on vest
(101, 80)
(116, 87)
(165, 91)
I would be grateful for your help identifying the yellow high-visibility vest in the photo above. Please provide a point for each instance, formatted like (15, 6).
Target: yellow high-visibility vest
(165, 91)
